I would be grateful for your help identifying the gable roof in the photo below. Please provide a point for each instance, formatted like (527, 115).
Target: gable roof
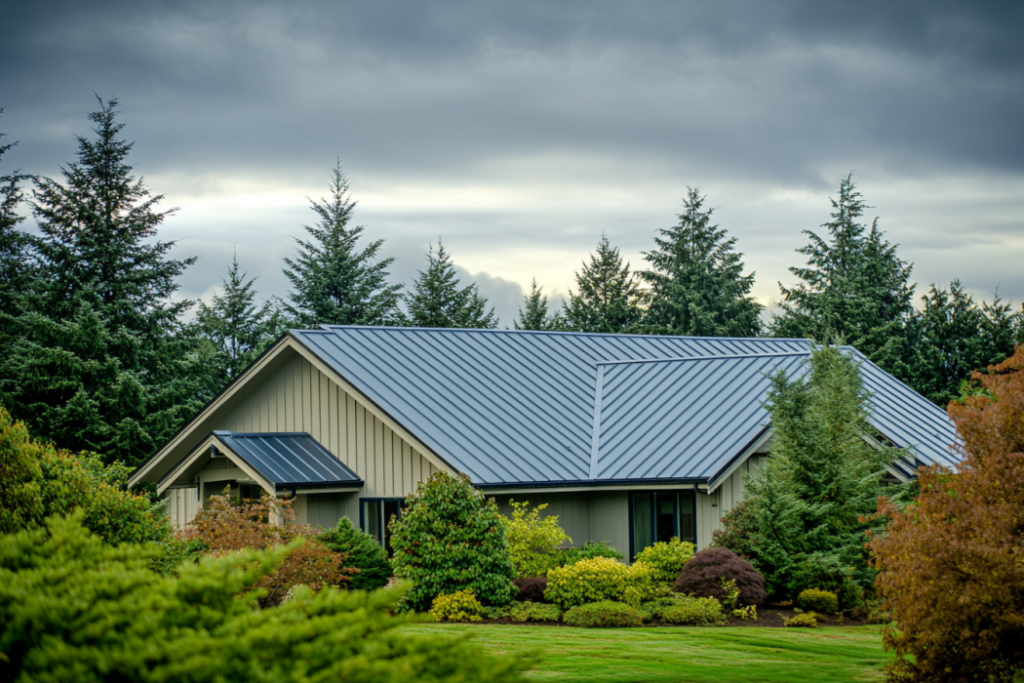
(289, 459)
(526, 408)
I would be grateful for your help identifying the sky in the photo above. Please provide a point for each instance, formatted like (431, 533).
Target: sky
(520, 132)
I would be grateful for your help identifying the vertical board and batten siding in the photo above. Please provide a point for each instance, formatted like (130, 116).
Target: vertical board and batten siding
(584, 515)
(712, 507)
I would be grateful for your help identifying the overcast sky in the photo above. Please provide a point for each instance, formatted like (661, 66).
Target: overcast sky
(520, 131)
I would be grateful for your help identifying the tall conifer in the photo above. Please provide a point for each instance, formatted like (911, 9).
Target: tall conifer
(15, 267)
(437, 298)
(534, 313)
(608, 297)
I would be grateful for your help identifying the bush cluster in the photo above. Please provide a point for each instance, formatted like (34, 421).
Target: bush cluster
(603, 614)
(361, 552)
(690, 611)
(667, 559)
(705, 574)
(805, 620)
(588, 551)
(457, 606)
(530, 611)
(600, 579)
(533, 540)
(816, 600)
(531, 589)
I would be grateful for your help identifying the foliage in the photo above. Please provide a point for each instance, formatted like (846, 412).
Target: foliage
(531, 589)
(667, 559)
(225, 527)
(598, 579)
(451, 538)
(457, 606)
(437, 300)
(588, 551)
(361, 552)
(533, 540)
(532, 611)
(75, 610)
(177, 552)
(704, 574)
(97, 357)
(738, 530)
(854, 286)
(334, 282)
(537, 316)
(608, 297)
(851, 595)
(38, 480)
(15, 262)
(238, 328)
(952, 563)
(748, 613)
(604, 614)
(691, 611)
(697, 283)
(816, 600)
(811, 500)
(805, 620)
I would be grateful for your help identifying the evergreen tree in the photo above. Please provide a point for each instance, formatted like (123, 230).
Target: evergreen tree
(99, 360)
(854, 287)
(608, 296)
(437, 300)
(697, 282)
(953, 336)
(15, 263)
(238, 328)
(537, 316)
(334, 282)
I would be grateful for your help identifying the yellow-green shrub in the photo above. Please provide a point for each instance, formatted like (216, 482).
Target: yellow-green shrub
(667, 559)
(457, 606)
(818, 601)
(805, 620)
(602, 615)
(532, 611)
(690, 611)
(533, 540)
(598, 579)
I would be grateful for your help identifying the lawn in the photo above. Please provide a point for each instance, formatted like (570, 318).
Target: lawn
(678, 655)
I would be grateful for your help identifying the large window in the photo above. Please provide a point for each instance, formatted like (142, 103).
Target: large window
(658, 516)
(374, 516)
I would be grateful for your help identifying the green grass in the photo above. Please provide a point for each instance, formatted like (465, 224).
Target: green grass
(678, 655)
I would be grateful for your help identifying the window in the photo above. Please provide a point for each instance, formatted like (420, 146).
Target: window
(659, 516)
(249, 492)
(374, 516)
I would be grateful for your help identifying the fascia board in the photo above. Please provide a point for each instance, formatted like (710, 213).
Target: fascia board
(200, 451)
(755, 446)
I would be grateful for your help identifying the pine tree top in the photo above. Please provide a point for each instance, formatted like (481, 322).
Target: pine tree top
(437, 298)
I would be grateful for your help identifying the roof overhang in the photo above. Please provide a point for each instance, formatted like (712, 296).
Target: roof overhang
(189, 467)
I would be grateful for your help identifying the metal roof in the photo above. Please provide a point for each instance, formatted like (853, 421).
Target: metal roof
(518, 407)
(289, 460)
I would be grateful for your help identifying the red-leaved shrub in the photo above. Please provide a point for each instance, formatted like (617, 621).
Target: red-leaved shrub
(531, 589)
(704, 574)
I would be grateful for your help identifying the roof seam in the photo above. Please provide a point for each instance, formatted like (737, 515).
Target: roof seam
(595, 439)
(686, 358)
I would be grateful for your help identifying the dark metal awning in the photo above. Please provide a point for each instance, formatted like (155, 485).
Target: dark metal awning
(290, 460)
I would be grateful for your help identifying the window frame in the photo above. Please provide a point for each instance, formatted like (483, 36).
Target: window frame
(653, 501)
(383, 539)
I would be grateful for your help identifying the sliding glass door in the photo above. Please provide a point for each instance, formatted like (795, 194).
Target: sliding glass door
(659, 516)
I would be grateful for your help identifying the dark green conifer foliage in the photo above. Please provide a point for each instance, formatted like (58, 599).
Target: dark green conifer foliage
(437, 298)
(362, 552)
(854, 287)
(697, 282)
(608, 297)
(536, 315)
(334, 281)
(238, 328)
(15, 259)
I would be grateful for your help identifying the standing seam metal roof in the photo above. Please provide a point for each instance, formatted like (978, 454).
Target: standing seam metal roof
(293, 459)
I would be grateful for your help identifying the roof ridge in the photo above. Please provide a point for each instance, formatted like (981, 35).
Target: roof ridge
(720, 357)
(554, 333)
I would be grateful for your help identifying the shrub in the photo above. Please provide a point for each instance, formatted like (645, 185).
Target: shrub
(532, 540)
(748, 613)
(529, 611)
(691, 611)
(704, 573)
(497, 612)
(650, 609)
(598, 579)
(37, 481)
(459, 606)
(74, 609)
(815, 600)
(950, 563)
(531, 589)
(177, 552)
(361, 552)
(451, 538)
(805, 620)
(602, 615)
(851, 595)
(588, 551)
(667, 559)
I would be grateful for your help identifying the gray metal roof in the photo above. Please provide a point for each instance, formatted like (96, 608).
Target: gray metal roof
(290, 460)
(517, 407)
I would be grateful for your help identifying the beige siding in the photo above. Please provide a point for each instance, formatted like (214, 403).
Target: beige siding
(572, 509)
(609, 518)
(325, 509)
(181, 506)
(712, 507)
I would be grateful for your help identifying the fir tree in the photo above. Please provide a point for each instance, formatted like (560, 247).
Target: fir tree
(536, 315)
(854, 286)
(15, 261)
(697, 282)
(438, 300)
(238, 328)
(335, 282)
(608, 297)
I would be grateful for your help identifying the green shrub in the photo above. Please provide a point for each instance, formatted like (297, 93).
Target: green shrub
(600, 578)
(588, 551)
(805, 620)
(602, 615)
(497, 612)
(459, 606)
(532, 540)
(451, 538)
(691, 611)
(177, 552)
(361, 552)
(851, 595)
(816, 600)
(667, 559)
(651, 608)
(533, 611)
(748, 613)
(76, 610)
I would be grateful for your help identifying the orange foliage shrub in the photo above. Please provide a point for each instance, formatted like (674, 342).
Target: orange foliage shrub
(225, 526)
(952, 564)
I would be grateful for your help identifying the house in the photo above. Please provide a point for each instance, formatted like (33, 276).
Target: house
(629, 438)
